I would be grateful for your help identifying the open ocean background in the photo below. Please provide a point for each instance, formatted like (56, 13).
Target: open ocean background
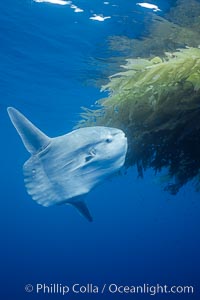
(49, 55)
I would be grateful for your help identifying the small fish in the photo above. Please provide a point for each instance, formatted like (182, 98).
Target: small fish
(149, 5)
(64, 168)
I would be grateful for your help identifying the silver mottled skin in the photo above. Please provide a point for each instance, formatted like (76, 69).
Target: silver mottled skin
(63, 168)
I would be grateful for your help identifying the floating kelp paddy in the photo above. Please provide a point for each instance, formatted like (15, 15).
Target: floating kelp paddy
(155, 100)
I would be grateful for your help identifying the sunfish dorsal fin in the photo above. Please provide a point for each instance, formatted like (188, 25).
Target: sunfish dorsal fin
(83, 209)
(32, 137)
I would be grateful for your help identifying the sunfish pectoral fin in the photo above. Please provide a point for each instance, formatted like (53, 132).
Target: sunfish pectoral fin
(32, 137)
(83, 209)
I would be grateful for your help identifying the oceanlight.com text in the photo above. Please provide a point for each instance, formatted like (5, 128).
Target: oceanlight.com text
(111, 288)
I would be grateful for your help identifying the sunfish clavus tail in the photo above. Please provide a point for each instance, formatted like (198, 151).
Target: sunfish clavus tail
(62, 169)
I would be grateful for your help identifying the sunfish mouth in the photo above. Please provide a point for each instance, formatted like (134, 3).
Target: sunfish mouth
(122, 134)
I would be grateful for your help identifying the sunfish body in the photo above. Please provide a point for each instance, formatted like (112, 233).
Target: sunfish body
(62, 169)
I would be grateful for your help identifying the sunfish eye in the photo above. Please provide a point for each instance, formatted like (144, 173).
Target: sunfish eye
(108, 140)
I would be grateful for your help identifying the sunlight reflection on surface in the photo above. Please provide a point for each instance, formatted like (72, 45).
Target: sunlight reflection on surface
(149, 5)
(60, 2)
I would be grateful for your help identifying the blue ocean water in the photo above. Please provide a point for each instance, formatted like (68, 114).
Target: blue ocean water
(140, 234)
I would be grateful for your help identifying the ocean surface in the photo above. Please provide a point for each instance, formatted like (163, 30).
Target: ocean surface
(53, 59)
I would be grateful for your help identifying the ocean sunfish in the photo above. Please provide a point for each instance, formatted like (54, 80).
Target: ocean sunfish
(64, 168)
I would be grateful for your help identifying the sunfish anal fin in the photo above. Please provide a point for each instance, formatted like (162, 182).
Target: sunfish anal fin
(83, 209)
(33, 138)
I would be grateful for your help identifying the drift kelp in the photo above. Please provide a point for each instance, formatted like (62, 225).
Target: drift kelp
(178, 28)
(157, 104)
